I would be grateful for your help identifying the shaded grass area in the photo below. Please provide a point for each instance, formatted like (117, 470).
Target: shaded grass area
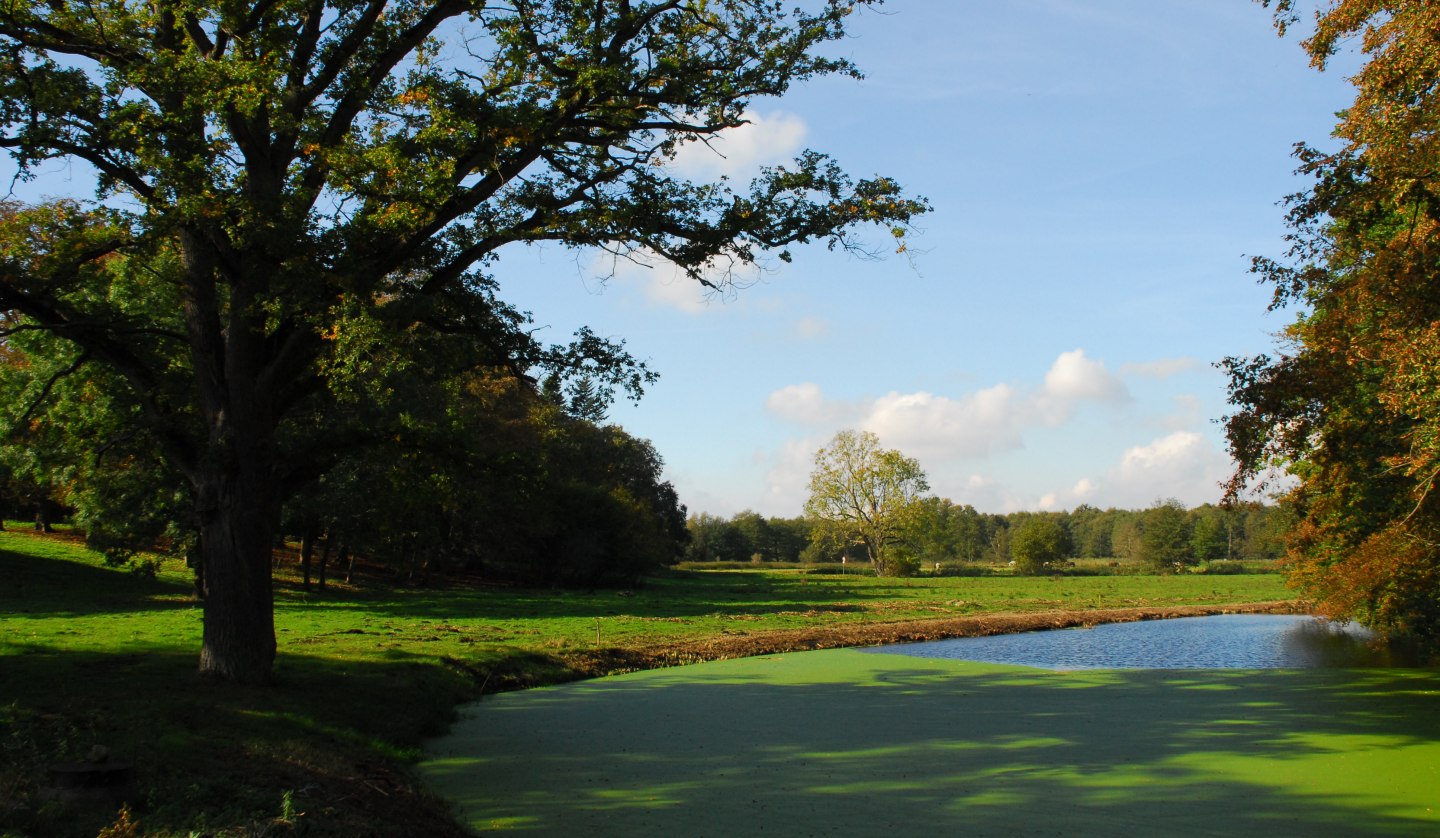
(99, 660)
(849, 743)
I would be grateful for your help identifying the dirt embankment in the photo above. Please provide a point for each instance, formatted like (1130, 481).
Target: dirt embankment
(594, 663)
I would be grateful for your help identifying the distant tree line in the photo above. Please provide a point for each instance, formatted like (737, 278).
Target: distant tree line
(936, 530)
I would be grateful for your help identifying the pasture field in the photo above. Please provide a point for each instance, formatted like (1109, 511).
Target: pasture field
(97, 660)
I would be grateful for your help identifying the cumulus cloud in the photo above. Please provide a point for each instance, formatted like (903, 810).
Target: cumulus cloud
(1183, 464)
(767, 139)
(675, 291)
(1162, 368)
(1073, 379)
(949, 434)
(664, 284)
(1164, 453)
(804, 404)
(787, 479)
(935, 427)
(980, 491)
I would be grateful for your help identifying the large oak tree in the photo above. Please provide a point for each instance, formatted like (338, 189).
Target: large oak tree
(281, 180)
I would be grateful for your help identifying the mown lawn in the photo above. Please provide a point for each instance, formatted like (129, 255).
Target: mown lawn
(96, 659)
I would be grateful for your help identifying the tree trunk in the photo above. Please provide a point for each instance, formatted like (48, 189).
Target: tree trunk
(325, 558)
(307, 552)
(194, 559)
(237, 532)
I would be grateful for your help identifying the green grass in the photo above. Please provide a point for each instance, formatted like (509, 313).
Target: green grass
(96, 656)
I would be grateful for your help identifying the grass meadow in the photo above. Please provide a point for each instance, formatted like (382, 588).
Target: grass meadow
(97, 660)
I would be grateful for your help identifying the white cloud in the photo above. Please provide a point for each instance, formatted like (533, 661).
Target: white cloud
(1162, 368)
(676, 291)
(787, 480)
(1075, 377)
(984, 493)
(766, 140)
(948, 434)
(1072, 379)
(1183, 465)
(663, 283)
(936, 428)
(803, 404)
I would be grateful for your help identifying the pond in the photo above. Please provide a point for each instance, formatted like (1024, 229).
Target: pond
(1232, 641)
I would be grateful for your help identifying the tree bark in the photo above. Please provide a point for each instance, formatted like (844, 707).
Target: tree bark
(325, 558)
(237, 531)
(307, 552)
(194, 559)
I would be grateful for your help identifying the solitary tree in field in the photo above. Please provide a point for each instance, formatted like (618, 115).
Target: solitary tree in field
(866, 495)
(286, 185)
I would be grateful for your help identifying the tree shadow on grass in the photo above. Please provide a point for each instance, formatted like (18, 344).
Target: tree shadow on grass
(46, 586)
(212, 757)
(698, 595)
(849, 744)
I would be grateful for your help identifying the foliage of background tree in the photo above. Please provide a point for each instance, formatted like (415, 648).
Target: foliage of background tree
(483, 478)
(1037, 542)
(745, 537)
(941, 531)
(1352, 404)
(84, 452)
(1212, 533)
(1165, 536)
(1090, 531)
(867, 495)
(295, 181)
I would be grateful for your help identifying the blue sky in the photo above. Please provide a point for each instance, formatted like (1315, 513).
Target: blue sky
(1100, 171)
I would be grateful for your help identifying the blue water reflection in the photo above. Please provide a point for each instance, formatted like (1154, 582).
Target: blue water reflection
(1232, 641)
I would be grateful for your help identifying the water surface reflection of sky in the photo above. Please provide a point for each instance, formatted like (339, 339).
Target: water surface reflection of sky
(1231, 641)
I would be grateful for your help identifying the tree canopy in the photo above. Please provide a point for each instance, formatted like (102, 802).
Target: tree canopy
(866, 494)
(297, 199)
(1040, 540)
(1351, 405)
